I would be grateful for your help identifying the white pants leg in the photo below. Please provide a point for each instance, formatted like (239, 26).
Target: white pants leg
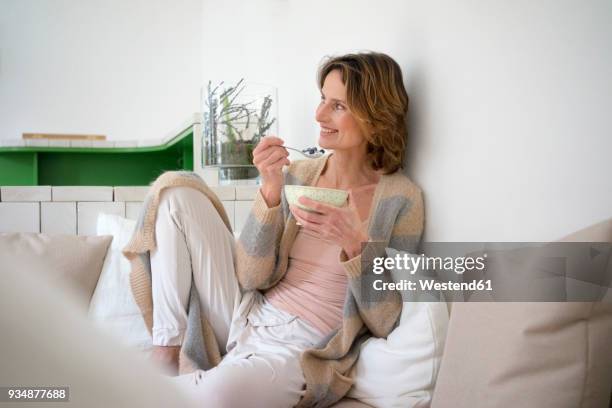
(261, 368)
(190, 235)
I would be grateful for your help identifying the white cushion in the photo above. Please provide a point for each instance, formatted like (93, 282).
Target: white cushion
(401, 370)
(112, 306)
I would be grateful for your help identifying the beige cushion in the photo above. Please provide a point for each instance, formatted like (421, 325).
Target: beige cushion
(529, 354)
(74, 262)
(47, 341)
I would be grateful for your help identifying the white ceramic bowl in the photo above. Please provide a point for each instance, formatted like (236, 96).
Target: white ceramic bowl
(329, 196)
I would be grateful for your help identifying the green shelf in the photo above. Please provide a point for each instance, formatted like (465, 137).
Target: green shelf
(94, 166)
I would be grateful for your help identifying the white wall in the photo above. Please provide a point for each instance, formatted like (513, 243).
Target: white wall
(126, 69)
(510, 101)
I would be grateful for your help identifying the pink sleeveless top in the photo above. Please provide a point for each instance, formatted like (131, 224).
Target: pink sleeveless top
(314, 286)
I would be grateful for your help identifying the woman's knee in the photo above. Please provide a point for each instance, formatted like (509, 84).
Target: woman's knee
(186, 200)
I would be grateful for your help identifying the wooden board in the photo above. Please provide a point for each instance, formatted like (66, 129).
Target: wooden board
(62, 136)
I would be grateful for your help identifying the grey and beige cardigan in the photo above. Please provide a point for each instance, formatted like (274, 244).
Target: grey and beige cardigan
(396, 220)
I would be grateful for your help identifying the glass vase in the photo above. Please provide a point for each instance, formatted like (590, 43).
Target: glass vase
(236, 115)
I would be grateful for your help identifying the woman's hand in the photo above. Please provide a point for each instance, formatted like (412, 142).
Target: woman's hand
(269, 156)
(341, 225)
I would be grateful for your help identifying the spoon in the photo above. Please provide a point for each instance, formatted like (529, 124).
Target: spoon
(309, 152)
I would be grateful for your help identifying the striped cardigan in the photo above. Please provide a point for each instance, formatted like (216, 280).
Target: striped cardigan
(396, 220)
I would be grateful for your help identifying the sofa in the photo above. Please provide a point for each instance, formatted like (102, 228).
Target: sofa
(495, 354)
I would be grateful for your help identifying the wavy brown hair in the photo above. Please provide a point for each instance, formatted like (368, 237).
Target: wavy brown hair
(376, 96)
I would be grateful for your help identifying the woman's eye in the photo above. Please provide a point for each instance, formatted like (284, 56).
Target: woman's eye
(338, 106)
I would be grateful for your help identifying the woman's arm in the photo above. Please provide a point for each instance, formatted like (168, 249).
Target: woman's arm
(257, 247)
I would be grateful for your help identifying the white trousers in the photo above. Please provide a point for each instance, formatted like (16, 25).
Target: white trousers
(260, 365)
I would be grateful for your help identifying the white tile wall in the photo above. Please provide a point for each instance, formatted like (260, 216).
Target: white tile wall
(58, 218)
(229, 209)
(19, 217)
(25, 193)
(87, 214)
(74, 209)
(81, 193)
(246, 192)
(129, 193)
(209, 174)
(241, 212)
(224, 193)
(132, 210)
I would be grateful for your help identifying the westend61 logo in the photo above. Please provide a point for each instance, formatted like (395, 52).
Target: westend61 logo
(412, 264)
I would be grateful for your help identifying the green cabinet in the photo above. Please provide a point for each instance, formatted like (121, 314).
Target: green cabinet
(94, 166)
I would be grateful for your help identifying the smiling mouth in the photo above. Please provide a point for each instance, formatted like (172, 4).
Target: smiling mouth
(326, 130)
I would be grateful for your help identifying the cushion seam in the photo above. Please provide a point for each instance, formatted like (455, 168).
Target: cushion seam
(586, 359)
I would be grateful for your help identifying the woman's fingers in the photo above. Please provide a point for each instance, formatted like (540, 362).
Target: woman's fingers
(266, 154)
(279, 164)
(307, 215)
(272, 160)
(266, 142)
(307, 224)
(316, 205)
(323, 230)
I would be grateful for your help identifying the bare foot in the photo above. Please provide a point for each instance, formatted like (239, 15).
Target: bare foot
(166, 357)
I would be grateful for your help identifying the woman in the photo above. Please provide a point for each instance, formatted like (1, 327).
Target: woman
(290, 299)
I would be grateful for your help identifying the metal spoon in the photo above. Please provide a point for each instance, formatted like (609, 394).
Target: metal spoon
(309, 152)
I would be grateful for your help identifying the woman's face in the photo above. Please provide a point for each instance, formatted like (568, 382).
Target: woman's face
(339, 128)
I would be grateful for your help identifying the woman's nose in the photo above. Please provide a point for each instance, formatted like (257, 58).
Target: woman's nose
(321, 113)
